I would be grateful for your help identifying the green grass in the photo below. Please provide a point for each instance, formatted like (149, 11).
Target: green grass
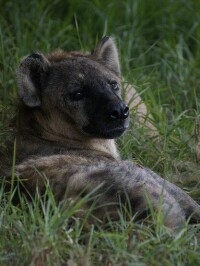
(159, 45)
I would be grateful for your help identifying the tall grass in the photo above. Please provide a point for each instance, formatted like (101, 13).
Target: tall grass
(159, 46)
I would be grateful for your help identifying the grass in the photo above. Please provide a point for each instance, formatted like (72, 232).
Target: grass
(160, 53)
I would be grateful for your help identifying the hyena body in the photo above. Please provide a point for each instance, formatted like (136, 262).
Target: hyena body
(70, 111)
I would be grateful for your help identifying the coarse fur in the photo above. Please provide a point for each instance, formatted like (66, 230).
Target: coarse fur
(69, 114)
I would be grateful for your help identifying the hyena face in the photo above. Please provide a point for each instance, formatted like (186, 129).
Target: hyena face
(84, 88)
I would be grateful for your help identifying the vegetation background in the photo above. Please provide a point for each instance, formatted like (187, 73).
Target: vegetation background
(159, 45)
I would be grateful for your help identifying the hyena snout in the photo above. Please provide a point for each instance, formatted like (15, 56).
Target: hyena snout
(118, 111)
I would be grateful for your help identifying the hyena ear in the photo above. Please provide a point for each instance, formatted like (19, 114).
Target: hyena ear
(29, 77)
(106, 53)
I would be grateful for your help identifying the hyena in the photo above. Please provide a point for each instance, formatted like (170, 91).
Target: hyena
(70, 111)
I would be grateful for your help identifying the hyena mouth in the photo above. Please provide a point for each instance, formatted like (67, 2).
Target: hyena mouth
(107, 133)
(114, 133)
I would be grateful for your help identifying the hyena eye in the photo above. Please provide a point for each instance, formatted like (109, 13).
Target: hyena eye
(77, 96)
(114, 85)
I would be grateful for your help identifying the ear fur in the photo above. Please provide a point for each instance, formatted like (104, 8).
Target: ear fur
(107, 54)
(29, 78)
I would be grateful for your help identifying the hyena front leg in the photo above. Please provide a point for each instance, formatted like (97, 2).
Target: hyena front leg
(122, 180)
(139, 185)
(112, 178)
(190, 207)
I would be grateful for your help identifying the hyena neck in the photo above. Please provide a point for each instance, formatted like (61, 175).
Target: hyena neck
(61, 130)
(104, 145)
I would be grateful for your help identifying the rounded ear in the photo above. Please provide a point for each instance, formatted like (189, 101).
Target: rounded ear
(29, 78)
(107, 54)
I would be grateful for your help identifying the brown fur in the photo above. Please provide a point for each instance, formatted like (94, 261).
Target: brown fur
(69, 114)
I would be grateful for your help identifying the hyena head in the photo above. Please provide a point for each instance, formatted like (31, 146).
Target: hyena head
(84, 89)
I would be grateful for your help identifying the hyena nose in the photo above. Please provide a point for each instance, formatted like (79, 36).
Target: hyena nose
(119, 111)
